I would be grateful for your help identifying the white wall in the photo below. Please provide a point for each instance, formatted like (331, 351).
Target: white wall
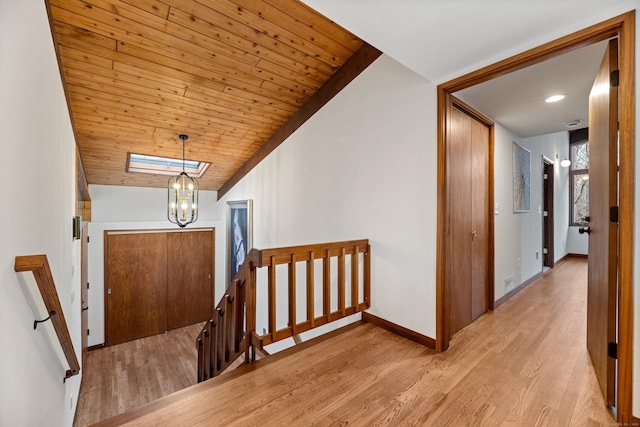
(38, 163)
(135, 208)
(507, 239)
(363, 167)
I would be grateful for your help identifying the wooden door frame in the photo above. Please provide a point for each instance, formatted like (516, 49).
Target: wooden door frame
(548, 196)
(453, 102)
(622, 26)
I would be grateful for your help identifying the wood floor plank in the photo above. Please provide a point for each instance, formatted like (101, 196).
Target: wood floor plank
(523, 364)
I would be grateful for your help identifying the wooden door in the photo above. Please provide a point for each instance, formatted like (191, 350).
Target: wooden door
(189, 278)
(469, 228)
(84, 287)
(603, 236)
(547, 215)
(135, 291)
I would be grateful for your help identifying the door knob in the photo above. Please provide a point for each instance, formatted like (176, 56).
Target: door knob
(583, 230)
(85, 308)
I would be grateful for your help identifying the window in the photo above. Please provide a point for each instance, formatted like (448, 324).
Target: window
(579, 182)
(164, 165)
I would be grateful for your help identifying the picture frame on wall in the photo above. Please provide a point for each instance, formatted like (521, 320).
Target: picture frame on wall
(521, 179)
(239, 234)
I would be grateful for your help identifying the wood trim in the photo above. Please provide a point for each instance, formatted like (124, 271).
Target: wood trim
(399, 330)
(622, 26)
(626, 215)
(567, 256)
(447, 102)
(513, 292)
(355, 65)
(96, 347)
(39, 265)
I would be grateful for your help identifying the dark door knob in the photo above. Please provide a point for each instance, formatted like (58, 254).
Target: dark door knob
(85, 308)
(583, 230)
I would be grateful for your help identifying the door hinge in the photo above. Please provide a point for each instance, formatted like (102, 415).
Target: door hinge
(612, 350)
(87, 285)
(88, 239)
(87, 331)
(613, 214)
(545, 176)
(545, 251)
(615, 78)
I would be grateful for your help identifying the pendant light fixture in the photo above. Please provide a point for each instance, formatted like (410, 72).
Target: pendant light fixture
(182, 200)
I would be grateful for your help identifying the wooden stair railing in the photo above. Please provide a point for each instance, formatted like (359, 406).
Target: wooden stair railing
(39, 265)
(232, 329)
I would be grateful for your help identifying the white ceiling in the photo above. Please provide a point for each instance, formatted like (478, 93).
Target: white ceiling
(443, 39)
(517, 100)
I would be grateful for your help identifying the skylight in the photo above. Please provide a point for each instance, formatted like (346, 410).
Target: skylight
(164, 165)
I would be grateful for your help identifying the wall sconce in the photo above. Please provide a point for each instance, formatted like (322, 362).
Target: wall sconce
(564, 163)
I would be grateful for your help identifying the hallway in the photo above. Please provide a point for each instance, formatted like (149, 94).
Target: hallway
(524, 364)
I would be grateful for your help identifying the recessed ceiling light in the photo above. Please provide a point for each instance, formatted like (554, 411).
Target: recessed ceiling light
(555, 98)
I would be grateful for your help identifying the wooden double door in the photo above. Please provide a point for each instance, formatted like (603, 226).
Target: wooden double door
(156, 281)
(470, 228)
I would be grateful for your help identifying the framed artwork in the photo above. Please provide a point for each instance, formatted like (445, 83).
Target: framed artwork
(521, 179)
(239, 234)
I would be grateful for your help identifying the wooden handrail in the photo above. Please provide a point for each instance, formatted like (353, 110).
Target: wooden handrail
(232, 328)
(39, 265)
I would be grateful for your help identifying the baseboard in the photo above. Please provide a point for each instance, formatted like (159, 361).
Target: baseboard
(567, 256)
(95, 347)
(513, 292)
(400, 330)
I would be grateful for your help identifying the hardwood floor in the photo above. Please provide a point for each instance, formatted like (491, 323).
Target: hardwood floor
(125, 376)
(523, 365)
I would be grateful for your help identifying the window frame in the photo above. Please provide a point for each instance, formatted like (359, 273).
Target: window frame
(143, 163)
(576, 138)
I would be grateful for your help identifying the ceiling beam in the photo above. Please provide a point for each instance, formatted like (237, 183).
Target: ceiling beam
(360, 60)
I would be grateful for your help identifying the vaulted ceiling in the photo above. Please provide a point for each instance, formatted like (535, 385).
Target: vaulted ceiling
(232, 74)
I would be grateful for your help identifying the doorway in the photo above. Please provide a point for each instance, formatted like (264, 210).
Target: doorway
(547, 213)
(623, 27)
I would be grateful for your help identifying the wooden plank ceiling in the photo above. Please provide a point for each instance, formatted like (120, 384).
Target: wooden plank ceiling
(229, 73)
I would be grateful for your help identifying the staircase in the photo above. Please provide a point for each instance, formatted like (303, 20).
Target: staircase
(333, 279)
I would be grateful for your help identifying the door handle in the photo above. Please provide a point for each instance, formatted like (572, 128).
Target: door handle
(85, 308)
(583, 230)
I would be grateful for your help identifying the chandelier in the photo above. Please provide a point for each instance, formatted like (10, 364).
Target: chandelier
(182, 200)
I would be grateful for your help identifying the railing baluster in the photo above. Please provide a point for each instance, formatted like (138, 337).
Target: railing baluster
(272, 298)
(213, 350)
(251, 311)
(367, 277)
(201, 376)
(292, 295)
(326, 287)
(310, 290)
(220, 340)
(231, 323)
(206, 346)
(239, 316)
(355, 270)
(341, 283)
